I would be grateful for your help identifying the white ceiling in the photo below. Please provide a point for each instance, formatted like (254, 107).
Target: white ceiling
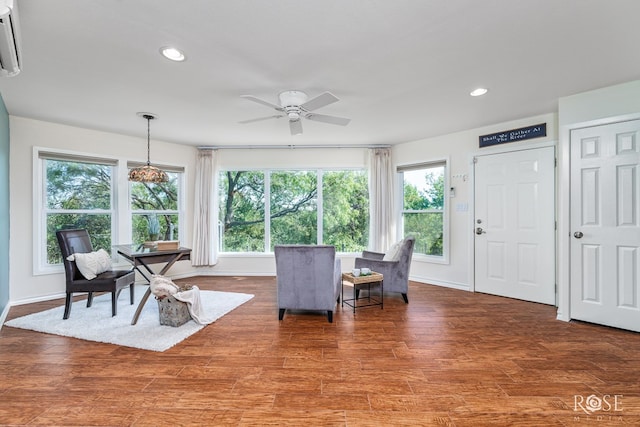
(403, 69)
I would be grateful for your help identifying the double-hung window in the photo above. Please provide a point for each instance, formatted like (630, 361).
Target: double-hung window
(156, 203)
(424, 206)
(77, 192)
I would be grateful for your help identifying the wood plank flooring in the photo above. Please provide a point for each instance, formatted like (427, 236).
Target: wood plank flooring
(448, 358)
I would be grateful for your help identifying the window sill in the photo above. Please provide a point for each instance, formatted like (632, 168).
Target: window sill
(430, 259)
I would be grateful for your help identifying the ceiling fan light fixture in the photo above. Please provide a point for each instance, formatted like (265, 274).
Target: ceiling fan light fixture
(293, 115)
(479, 91)
(148, 173)
(172, 53)
(292, 97)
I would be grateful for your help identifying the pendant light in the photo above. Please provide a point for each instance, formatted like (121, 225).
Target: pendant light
(148, 173)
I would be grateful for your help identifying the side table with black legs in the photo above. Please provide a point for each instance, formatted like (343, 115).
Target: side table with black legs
(359, 282)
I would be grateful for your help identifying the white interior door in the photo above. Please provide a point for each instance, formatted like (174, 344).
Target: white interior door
(605, 224)
(515, 224)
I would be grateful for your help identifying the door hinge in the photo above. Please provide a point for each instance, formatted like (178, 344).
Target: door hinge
(475, 160)
(555, 162)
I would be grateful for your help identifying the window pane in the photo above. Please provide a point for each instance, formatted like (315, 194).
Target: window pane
(423, 203)
(168, 230)
(242, 211)
(424, 188)
(74, 185)
(98, 226)
(160, 200)
(427, 229)
(345, 206)
(155, 197)
(294, 208)
(73, 190)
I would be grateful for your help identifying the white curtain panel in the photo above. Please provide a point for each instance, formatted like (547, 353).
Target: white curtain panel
(381, 200)
(205, 220)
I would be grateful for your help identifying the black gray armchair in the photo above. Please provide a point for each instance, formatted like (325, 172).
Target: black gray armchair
(394, 266)
(308, 278)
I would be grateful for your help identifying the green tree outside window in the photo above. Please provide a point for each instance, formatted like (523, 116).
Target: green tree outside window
(293, 209)
(148, 201)
(423, 208)
(78, 195)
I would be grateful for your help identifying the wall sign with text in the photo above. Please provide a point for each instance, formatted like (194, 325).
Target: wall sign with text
(529, 132)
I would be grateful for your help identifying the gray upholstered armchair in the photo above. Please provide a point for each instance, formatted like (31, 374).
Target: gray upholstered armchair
(308, 278)
(394, 266)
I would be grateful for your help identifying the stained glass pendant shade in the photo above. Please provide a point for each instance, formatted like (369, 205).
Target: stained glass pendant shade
(148, 173)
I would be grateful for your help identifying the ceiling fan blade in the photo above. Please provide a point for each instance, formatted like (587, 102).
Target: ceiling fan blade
(341, 121)
(320, 101)
(295, 126)
(262, 101)
(260, 119)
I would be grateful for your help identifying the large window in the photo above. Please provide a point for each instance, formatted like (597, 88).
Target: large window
(294, 207)
(78, 194)
(242, 208)
(259, 209)
(423, 207)
(345, 210)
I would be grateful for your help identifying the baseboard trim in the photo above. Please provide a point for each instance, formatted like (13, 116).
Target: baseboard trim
(441, 283)
(4, 314)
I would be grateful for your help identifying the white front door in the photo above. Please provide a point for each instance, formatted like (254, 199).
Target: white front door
(605, 224)
(515, 224)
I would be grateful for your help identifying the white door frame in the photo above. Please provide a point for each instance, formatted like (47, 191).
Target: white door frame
(507, 148)
(563, 252)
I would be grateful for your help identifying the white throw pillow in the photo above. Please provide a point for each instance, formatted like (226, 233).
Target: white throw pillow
(393, 254)
(93, 263)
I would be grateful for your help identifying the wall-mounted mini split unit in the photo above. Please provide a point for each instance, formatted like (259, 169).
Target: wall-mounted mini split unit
(10, 53)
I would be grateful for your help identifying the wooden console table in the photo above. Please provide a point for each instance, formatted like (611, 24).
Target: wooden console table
(140, 256)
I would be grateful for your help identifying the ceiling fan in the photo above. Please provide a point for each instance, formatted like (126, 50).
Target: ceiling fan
(295, 105)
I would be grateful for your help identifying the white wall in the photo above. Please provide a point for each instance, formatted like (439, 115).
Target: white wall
(459, 148)
(27, 133)
(607, 105)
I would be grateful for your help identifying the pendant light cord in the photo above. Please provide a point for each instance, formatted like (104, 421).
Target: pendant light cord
(148, 117)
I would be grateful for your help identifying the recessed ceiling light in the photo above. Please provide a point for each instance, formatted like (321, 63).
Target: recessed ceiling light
(479, 92)
(172, 53)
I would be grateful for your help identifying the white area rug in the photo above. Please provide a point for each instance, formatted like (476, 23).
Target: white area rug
(96, 324)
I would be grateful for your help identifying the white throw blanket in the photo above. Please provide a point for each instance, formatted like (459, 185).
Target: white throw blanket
(192, 298)
(162, 287)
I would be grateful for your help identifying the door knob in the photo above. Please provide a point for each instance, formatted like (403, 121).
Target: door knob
(480, 231)
(578, 234)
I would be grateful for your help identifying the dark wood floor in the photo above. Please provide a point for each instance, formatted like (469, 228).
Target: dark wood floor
(447, 358)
